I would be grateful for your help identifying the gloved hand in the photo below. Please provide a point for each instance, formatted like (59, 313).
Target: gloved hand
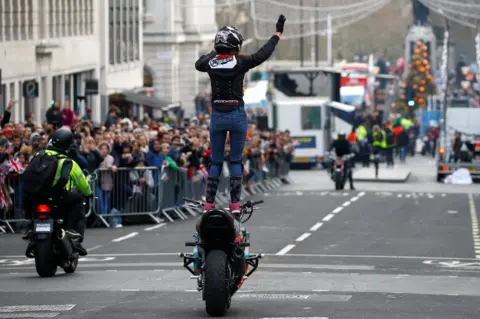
(280, 23)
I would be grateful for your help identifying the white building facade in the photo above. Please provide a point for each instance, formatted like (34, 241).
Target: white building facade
(62, 43)
(176, 33)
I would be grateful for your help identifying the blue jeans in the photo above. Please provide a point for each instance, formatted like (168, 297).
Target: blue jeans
(403, 153)
(103, 204)
(234, 122)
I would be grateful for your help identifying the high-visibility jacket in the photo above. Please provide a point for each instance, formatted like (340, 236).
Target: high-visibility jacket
(77, 180)
(361, 133)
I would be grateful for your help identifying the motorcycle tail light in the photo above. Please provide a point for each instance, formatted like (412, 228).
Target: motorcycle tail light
(43, 209)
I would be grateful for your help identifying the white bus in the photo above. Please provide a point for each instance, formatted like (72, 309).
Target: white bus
(302, 104)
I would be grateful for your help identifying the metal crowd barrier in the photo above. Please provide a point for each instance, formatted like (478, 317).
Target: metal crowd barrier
(151, 192)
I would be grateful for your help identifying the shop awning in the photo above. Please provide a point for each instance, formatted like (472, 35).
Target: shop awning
(142, 99)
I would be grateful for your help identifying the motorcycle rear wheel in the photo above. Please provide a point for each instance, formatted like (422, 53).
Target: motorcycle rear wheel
(45, 262)
(338, 182)
(216, 290)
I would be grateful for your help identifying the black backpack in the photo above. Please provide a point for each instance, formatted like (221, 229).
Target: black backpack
(39, 175)
(390, 138)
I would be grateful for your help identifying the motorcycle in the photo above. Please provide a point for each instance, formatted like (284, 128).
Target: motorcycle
(53, 246)
(220, 259)
(339, 170)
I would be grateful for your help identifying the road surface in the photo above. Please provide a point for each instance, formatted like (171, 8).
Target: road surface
(339, 255)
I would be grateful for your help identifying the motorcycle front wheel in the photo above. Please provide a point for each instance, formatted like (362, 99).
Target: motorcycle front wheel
(45, 262)
(216, 290)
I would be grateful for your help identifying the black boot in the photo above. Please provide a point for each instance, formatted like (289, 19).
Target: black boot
(235, 188)
(29, 253)
(212, 187)
(79, 248)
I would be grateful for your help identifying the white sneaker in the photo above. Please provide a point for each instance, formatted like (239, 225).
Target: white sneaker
(118, 226)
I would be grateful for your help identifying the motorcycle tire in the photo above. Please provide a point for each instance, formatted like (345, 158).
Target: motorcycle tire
(45, 261)
(216, 290)
(338, 182)
(72, 267)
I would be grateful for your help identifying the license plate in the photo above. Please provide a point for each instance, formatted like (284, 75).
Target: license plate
(302, 159)
(43, 227)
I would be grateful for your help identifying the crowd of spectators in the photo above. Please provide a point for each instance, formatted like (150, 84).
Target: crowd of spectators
(120, 144)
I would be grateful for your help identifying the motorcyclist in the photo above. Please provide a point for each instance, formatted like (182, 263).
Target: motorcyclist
(343, 147)
(72, 196)
(226, 68)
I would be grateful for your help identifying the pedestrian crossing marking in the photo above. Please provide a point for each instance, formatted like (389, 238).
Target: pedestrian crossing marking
(412, 195)
(33, 311)
(29, 315)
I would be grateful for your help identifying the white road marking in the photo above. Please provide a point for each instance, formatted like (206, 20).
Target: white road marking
(155, 227)
(316, 226)
(274, 297)
(362, 194)
(29, 315)
(320, 290)
(303, 237)
(474, 219)
(400, 195)
(323, 193)
(94, 248)
(354, 199)
(328, 217)
(285, 250)
(378, 257)
(125, 237)
(130, 290)
(337, 210)
(347, 203)
(26, 308)
(191, 290)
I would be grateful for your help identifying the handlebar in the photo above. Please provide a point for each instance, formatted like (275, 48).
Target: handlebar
(246, 209)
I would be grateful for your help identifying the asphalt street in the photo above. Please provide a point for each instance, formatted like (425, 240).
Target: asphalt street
(337, 255)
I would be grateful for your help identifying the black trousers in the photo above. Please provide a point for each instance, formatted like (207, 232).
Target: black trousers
(71, 209)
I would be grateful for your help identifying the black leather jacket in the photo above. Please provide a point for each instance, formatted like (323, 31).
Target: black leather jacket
(227, 73)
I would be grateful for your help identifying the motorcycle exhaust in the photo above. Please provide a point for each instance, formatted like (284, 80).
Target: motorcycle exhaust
(238, 264)
(65, 244)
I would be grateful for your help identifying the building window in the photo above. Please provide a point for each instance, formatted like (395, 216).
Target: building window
(29, 10)
(91, 19)
(51, 20)
(76, 19)
(131, 38)
(118, 34)
(125, 43)
(111, 32)
(311, 118)
(136, 28)
(16, 20)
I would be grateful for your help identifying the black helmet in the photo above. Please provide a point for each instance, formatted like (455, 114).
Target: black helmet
(62, 140)
(228, 38)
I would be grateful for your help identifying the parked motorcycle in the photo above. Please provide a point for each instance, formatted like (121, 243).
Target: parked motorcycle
(339, 170)
(220, 259)
(53, 244)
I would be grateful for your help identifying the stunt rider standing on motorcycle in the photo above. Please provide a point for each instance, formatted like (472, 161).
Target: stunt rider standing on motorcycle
(74, 187)
(226, 68)
(343, 147)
